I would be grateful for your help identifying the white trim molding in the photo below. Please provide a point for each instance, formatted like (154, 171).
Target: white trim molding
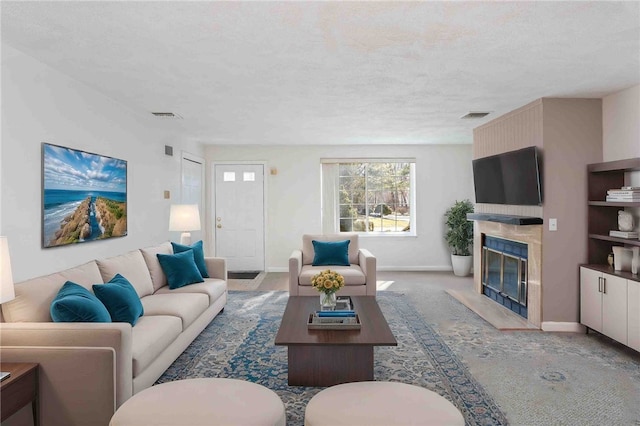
(567, 327)
(384, 269)
(415, 268)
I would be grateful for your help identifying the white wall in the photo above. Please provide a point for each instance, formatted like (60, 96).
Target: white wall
(41, 105)
(621, 124)
(443, 175)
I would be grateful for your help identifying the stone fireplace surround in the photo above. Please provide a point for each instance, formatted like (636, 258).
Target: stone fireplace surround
(528, 234)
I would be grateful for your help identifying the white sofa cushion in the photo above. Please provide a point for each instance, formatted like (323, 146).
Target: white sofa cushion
(353, 275)
(34, 296)
(131, 266)
(151, 336)
(212, 287)
(186, 306)
(158, 277)
(307, 245)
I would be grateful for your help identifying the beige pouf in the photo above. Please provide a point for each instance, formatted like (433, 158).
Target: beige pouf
(194, 402)
(380, 403)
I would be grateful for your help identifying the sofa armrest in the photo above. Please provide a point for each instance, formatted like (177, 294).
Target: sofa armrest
(295, 267)
(368, 265)
(76, 385)
(217, 267)
(79, 334)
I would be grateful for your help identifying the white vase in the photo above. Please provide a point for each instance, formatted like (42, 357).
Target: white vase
(461, 265)
(622, 258)
(635, 260)
(625, 221)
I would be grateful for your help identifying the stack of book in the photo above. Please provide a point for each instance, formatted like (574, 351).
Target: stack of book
(334, 320)
(625, 194)
(624, 234)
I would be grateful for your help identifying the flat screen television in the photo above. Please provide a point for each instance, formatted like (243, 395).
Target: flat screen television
(513, 177)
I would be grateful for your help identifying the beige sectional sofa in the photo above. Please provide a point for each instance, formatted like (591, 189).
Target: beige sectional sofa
(87, 370)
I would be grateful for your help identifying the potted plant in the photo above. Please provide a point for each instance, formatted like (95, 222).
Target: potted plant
(459, 237)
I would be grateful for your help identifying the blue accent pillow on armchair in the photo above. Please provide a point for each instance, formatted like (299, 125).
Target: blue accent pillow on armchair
(198, 255)
(74, 303)
(120, 299)
(180, 269)
(328, 253)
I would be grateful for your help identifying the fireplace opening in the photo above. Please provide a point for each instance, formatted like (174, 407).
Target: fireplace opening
(504, 273)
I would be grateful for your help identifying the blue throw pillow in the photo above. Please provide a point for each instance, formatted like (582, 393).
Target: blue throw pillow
(198, 255)
(331, 253)
(120, 299)
(180, 269)
(74, 303)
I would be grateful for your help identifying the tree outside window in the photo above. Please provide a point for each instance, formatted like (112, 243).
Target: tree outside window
(375, 197)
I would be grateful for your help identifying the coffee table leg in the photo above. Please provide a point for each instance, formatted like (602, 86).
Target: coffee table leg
(329, 365)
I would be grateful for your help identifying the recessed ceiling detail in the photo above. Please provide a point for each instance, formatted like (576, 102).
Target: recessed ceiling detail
(166, 115)
(475, 115)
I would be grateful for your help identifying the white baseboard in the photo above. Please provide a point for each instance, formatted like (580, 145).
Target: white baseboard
(415, 268)
(568, 327)
(385, 269)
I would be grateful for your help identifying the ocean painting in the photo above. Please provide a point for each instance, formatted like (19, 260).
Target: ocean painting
(84, 196)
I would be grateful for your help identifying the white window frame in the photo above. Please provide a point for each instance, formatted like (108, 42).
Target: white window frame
(330, 195)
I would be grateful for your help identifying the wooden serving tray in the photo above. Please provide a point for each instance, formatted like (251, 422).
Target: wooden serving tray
(332, 323)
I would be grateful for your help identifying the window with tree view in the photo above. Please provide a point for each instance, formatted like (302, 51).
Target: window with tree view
(375, 197)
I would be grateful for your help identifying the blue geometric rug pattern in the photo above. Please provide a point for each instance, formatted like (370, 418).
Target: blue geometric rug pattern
(239, 343)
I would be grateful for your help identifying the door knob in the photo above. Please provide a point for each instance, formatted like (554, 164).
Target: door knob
(218, 218)
(219, 226)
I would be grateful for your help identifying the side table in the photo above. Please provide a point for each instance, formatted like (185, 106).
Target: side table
(19, 389)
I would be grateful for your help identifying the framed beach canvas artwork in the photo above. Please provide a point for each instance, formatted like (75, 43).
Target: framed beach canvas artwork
(84, 196)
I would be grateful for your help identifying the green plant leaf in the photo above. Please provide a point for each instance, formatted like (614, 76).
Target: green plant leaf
(459, 233)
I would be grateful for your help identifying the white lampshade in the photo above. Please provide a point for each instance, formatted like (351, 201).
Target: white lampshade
(184, 218)
(7, 291)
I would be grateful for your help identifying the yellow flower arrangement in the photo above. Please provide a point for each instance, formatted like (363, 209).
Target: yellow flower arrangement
(328, 281)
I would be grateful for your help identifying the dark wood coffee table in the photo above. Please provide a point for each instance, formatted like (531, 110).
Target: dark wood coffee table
(331, 357)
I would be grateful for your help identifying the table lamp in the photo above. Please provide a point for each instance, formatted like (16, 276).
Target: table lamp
(184, 218)
(7, 291)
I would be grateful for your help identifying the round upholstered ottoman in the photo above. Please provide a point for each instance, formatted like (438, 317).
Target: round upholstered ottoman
(380, 403)
(198, 402)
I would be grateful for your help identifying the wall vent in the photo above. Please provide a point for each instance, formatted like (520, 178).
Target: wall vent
(166, 115)
(475, 115)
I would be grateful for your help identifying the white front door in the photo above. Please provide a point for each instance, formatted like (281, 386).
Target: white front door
(239, 215)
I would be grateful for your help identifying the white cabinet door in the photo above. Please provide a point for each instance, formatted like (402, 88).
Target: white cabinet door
(614, 308)
(590, 299)
(633, 314)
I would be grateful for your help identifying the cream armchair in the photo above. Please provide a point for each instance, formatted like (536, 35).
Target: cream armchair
(359, 276)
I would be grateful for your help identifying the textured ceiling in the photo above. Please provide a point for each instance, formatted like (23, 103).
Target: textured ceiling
(332, 72)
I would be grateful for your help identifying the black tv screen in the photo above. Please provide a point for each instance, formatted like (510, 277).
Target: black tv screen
(513, 177)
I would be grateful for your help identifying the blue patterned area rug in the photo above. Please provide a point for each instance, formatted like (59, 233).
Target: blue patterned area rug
(239, 344)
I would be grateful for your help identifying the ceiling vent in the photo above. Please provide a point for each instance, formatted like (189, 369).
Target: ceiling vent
(166, 115)
(475, 115)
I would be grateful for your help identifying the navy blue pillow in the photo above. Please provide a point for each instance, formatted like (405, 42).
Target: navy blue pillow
(331, 253)
(198, 255)
(74, 303)
(180, 269)
(120, 299)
